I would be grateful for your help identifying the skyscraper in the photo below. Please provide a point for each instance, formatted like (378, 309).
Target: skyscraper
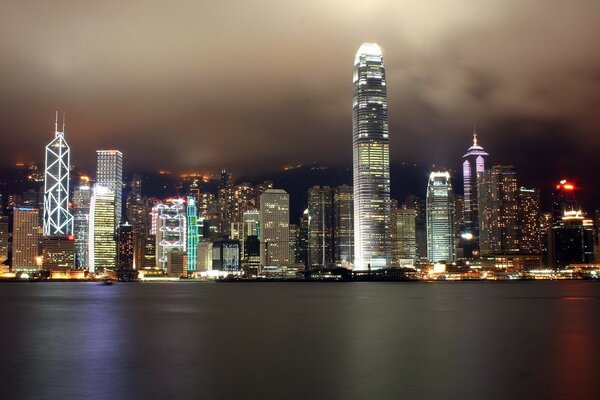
(498, 211)
(57, 219)
(473, 166)
(25, 238)
(371, 160)
(170, 230)
(440, 218)
(403, 233)
(343, 223)
(109, 174)
(102, 247)
(81, 214)
(274, 228)
(529, 221)
(192, 234)
(320, 229)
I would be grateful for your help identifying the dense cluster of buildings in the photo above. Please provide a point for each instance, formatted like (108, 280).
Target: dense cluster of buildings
(92, 229)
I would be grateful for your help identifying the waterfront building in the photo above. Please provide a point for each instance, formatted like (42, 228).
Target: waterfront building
(403, 235)
(473, 166)
(371, 160)
(145, 251)
(226, 255)
(343, 223)
(498, 211)
(303, 239)
(58, 252)
(102, 247)
(176, 263)
(529, 222)
(192, 236)
(170, 230)
(57, 218)
(109, 174)
(126, 246)
(274, 228)
(81, 213)
(440, 218)
(320, 229)
(4, 236)
(25, 238)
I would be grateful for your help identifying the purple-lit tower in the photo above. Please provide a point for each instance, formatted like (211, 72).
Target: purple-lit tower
(473, 167)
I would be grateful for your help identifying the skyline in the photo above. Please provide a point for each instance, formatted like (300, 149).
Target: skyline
(528, 97)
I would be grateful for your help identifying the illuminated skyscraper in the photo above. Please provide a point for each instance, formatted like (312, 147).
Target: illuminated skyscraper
(170, 230)
(25, 238)
(320, 229)
(343, 222)
(81, 214)
(529, 221)
(57, 219)
(473, 167)
(274, 228)
(498, 211)
(109, 174)
(102, 247)
(371, 160)
(192, 234)
(403, 234)
(440, 218)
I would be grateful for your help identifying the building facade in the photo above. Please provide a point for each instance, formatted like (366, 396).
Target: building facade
(440, 218)
(274, 228)
(109, 174)
(371, 160)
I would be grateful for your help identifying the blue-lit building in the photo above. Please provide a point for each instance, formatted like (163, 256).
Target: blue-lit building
(192, 234)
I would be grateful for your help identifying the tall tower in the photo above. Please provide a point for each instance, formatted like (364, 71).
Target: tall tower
(371, 160)
(440, 218)
(57, 219)
(102, 248)
(274, 228)
(109, 174)
(473, 167)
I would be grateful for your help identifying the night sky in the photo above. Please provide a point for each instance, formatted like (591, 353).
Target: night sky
(256, 85)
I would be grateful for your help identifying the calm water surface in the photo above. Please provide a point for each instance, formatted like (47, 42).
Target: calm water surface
(518, 340)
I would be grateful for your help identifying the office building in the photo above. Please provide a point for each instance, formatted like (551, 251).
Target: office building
(371, 160)
(440, 218)
(58, 252)
(25, 238)
(498, 211)
(343, 223)
(57, 218)
(109, 174)
(170, 229)
(473, 166)
(102, 247)
(320, 229)
(529, 221)
(274, 228)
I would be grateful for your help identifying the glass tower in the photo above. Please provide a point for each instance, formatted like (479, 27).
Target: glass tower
(371, 160)
(57, 219)
(440, 218)
(192, 234)
(473, 167)
(109, 174)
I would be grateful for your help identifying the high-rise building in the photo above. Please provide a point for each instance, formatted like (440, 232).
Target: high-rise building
(126, 246)
(572, 240)
(403, 234)
(473, 167)
(170, 230)
(440, 218)
(25, 238)
(109, 174)
(371, 160)
(320, 230)
(57, 218)
(145, 251)
(225, 201)
(303, 240)
(274, 228)
(4, 235)
(102, 247)
(529, 221)
(418, 204)
(498, 211)
(343, 222)
(192, 234)
(81, 214)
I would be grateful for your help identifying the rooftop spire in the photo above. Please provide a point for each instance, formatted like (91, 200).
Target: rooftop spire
(64, 119)
(474, 135)
(56, 122)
